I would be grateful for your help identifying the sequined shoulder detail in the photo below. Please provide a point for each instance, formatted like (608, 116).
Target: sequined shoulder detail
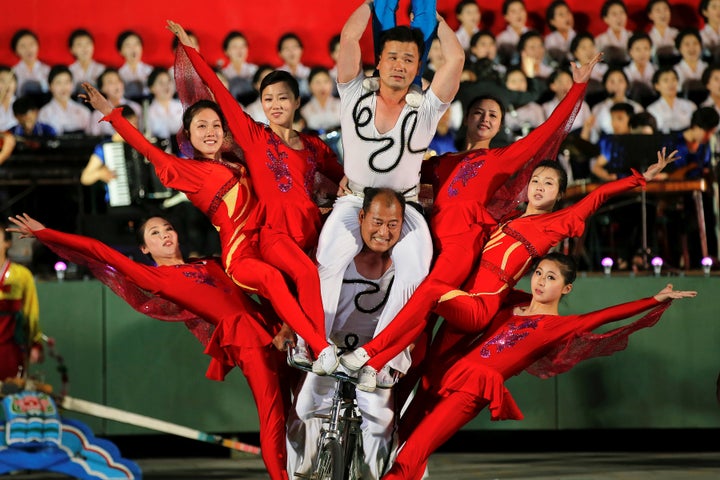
(520, 238)
(218, 198)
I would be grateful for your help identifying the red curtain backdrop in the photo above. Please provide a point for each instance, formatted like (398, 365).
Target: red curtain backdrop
(262, 22)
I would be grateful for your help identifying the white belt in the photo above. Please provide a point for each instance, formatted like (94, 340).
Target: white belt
(411, 194)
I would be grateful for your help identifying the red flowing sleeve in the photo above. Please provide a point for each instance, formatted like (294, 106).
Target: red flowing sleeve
(130, 280)
(589, 204)
(584, 344)
(185, 175)
(540, 144)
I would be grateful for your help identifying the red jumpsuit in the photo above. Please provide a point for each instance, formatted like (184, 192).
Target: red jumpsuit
(511, 343)
(234, 328)
(223, 192)
(465, 184)
(509, 253)
(284, 181)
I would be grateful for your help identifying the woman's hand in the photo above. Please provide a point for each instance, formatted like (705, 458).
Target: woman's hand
(284, 337)
(179, 32)
(93, 96)
(581, 74)
(26, 225)
(668, 293)
(663, 160)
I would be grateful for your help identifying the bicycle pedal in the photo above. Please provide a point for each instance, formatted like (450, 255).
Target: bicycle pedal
(303, 475)
(324, 416)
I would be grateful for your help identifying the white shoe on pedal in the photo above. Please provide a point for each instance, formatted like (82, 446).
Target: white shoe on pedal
(301, 356)
(355, 360)
(327, 362)
(386, 377)
(367, 379)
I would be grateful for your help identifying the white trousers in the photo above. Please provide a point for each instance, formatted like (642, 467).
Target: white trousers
(315, 396)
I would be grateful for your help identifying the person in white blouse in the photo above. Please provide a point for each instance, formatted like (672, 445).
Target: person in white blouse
(8, 88)
(640, 71)
(112, 86)
(691, 66)
(560, 82)
(532, 55)
(84, 69)
(516, 17)
(468, 15)
(661, 33)
(616, 86)
(613, 41)
(671, 112)
(711, 80)
(322, 111)
(134, 71)
(561, 21)
(164, 114)
(31, 73)
(290, 51)
(238, 70)
(255, 108)
(710, 33)
(63, 113)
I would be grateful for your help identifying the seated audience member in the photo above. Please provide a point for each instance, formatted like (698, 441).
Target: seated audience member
(613, 41)
(583, 50)
(84, 69)
(445, 139)
(31, 73)
(680, 235)
(322, 111)
(691, 65)
(7, 146)
(112, 86)
(63, 113)
(333, 50)
(238, 70)
(640, 70)
(134, 72)
(255, 108)
(26, 112)
(483, 62)
(290, 51)
(468, 15)
(661, 34)
(616, 87)
(8, 88)
(711, 80)
(532, 55)
(710, 33)
(620, 115)
(515, 15)
(164, 113)
(559, 18)
(560, 82)
(671, 112)
(521, 119)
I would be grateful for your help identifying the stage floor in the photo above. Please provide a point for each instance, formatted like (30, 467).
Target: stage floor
(466, 466)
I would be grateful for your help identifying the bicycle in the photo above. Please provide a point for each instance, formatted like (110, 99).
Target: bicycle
(340, 450)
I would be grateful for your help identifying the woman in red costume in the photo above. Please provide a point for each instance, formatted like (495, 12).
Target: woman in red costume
(234, 329)
(282, 164)
(473, 189)
(513, 245)
(221, 188)
(523, 336)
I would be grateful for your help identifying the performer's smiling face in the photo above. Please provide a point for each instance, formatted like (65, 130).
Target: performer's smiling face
(206, 133)
(484, 119)
(381, 224)
(399, 64)
(279, 104)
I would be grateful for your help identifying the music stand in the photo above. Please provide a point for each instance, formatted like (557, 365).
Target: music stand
(637, 151)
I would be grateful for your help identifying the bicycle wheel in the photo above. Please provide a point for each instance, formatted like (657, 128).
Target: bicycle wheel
(352, 446)
(329, 462)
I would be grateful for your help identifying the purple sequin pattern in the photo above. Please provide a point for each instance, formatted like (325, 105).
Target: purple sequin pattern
(468, 170)
(312, 167)
(512, 334)
(277, 163)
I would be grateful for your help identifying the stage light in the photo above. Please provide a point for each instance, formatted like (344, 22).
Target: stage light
(60, 268)
(607, 264)
(657, 264)
(707, 263)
